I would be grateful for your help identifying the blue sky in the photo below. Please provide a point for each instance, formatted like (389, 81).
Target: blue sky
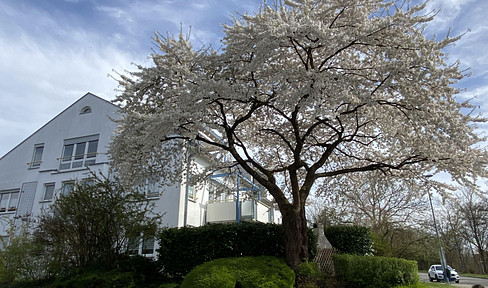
(52, 52)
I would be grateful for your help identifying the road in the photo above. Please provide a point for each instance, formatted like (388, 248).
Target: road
(465, 282)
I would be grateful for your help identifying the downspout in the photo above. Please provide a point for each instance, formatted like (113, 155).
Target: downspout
(187, 187)
(238, 206)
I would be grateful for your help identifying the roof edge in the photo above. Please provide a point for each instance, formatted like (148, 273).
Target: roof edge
(57, 115)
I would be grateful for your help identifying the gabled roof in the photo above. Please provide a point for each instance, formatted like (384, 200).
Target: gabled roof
(74, 103)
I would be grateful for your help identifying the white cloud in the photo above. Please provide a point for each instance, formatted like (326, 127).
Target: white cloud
(42, 74)
(52, 55)
(203, 18)
(449, 11)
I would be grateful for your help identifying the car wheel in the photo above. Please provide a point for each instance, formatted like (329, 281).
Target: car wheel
(438, 280)
(430, 278)
(457, 281)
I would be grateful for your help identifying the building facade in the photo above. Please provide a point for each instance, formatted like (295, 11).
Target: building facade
(48, 163)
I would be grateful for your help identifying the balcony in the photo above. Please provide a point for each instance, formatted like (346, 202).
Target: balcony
(250, 210)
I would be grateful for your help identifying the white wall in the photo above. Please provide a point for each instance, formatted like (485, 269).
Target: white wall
(15, 171)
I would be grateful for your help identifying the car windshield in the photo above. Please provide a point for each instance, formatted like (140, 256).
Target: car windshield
(438, 267)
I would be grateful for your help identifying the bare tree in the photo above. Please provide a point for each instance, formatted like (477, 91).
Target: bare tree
(381, 201)
(474, 213)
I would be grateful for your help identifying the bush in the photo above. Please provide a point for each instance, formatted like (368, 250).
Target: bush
(310, 276)
(26, 283)
(377, 272)
(21, 258)
(132, 272)
(182, 249)
(145, 271)
(169, 285)
(350, 239)
(93, 223)
(248, 272)
(308, 269)
(98, 279)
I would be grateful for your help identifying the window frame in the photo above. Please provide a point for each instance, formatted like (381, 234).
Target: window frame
(85, 110)
(152, 241)
(4, 241)
(46, 185)
(79, 152)
(64, 184)
(152, 189)
(9, 207)
(37, 156)
(149, 188)
(137, 245)
(192, 192)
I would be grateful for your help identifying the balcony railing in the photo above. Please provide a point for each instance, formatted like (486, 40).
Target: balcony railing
(77, 161)
(250, 210)
(34, 164)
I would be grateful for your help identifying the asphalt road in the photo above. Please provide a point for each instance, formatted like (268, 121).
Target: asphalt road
(465, 282)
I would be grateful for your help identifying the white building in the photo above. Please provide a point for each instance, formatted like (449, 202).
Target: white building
(62, 151)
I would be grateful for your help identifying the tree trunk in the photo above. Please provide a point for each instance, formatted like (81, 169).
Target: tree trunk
(481, 252)
(295, 235)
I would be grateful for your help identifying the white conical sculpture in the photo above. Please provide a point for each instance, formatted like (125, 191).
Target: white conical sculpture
(322, 241)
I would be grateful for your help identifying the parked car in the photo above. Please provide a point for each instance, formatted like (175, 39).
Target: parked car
(435, 273)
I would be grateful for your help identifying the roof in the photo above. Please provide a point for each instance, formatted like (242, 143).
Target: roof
(88, 94)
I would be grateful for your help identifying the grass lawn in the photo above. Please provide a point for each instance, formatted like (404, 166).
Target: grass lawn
(434, 284)
(424, 285)
(474, 275)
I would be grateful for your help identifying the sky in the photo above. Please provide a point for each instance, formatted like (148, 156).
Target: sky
(52, 52)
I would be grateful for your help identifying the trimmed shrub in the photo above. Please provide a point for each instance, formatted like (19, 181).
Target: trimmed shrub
(350, 239)
(169, 285)
(134, 271)
(182, 249)
(26, 283)
(245, 272)
(374, 272)
(310, 276)
(99, 279)
(308, 269)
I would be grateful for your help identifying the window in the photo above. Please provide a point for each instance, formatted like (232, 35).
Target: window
(48, 191)
(86, 110)
(79, 152)
(9, 201)
(133, 246)
(216, 192)
(212, 192)
(4, 241)
(148, 246)
(191, 192)
(141, 245)
(149, 187)
(152, 189)
(37, 156)
(67, 187)
(89, 182)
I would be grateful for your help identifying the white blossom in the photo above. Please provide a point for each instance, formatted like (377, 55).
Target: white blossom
(301, 93)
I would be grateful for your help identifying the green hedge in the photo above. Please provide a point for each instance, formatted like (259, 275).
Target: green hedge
(134, 271)
(182, 249)
(374, 272)
(350, 239)
(245, 272)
